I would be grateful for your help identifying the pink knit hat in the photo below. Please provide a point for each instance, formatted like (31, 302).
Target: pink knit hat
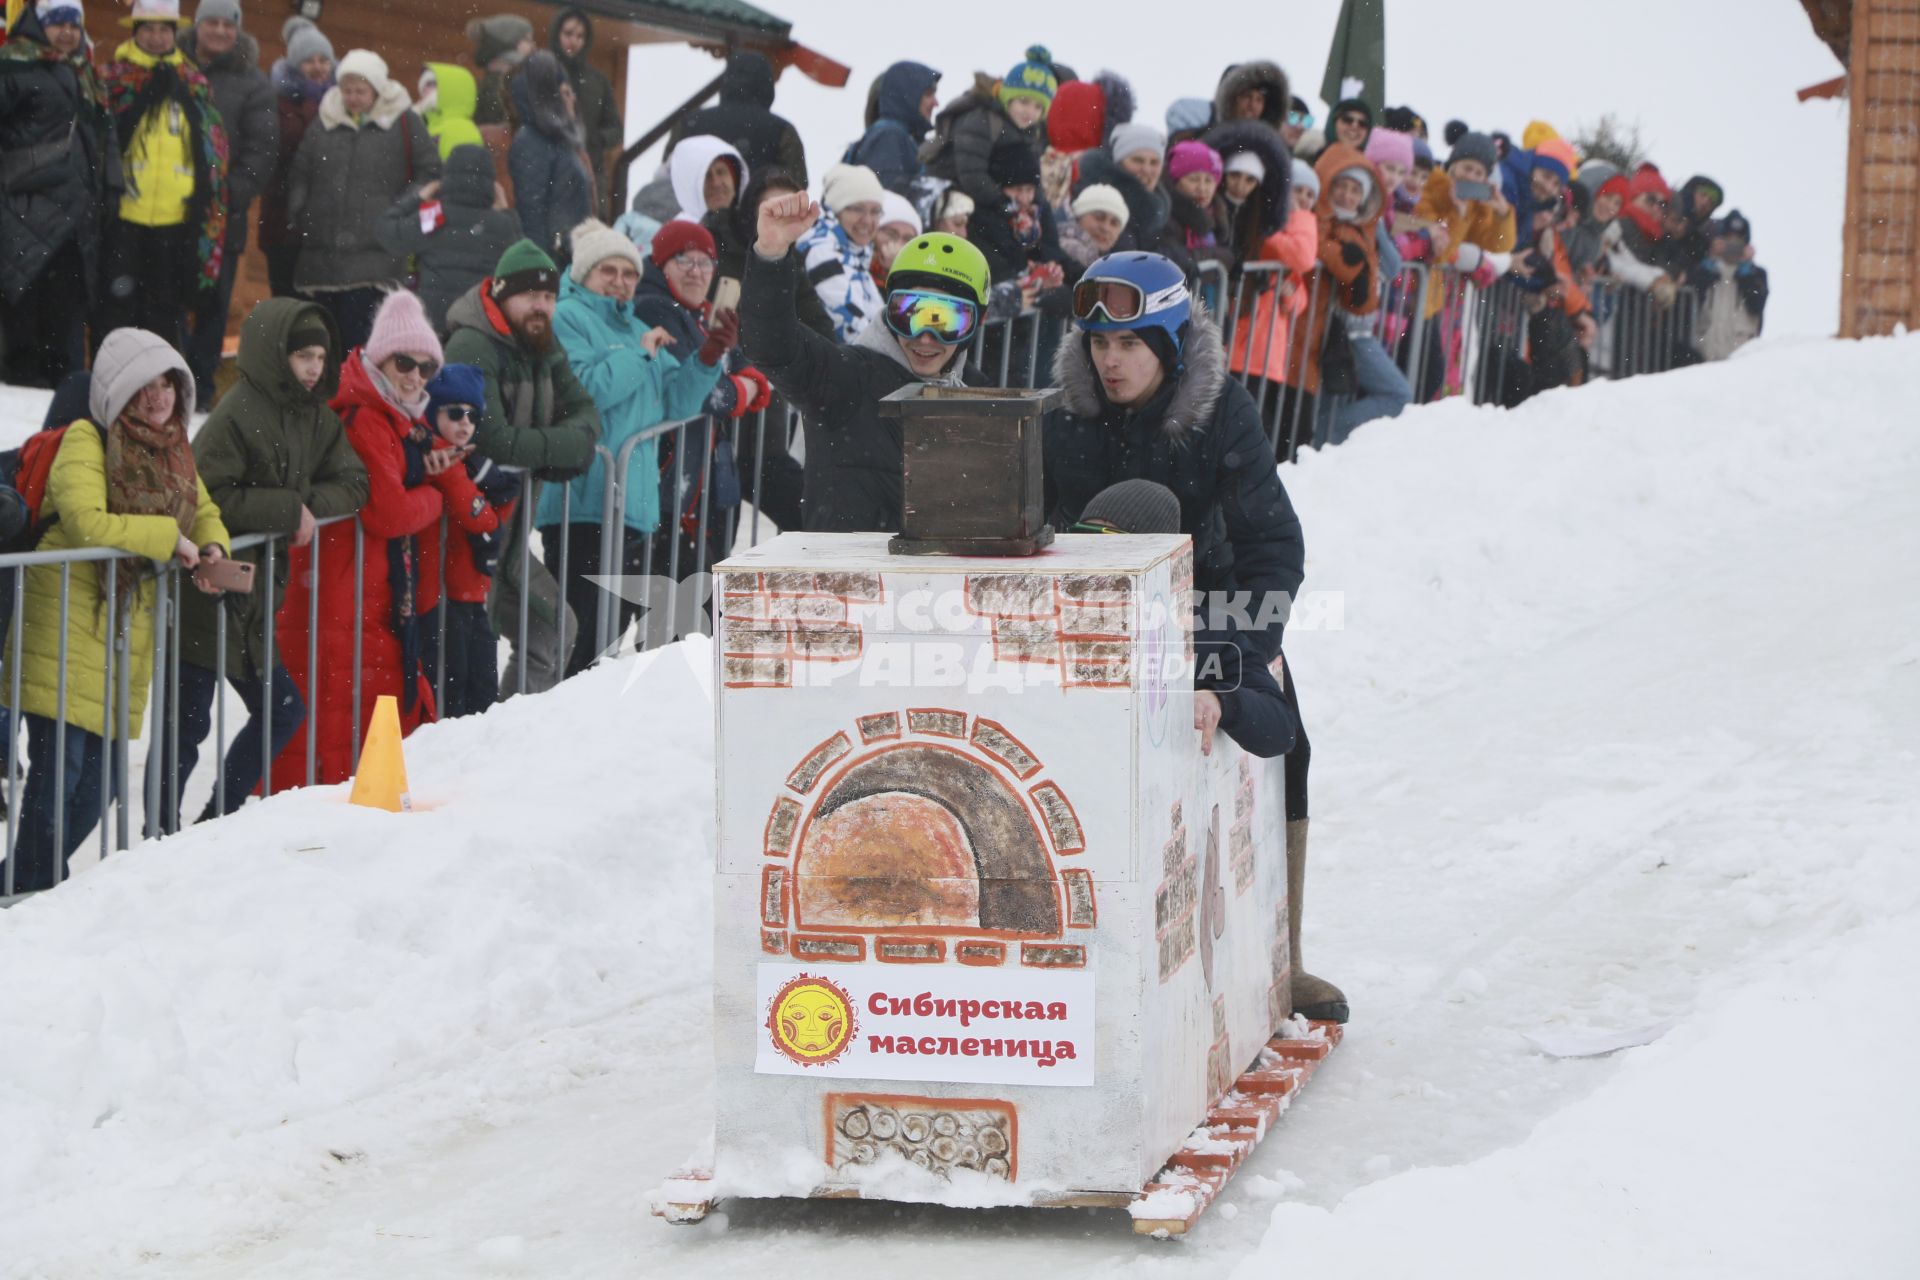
(1385, 146)
(1192, 157)
(401, 326)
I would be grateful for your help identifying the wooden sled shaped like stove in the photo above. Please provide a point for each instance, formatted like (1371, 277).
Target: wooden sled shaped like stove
(990, 928)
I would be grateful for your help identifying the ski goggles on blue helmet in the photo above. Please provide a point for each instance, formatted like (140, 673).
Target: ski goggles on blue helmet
(1131, 291)
(913, 312)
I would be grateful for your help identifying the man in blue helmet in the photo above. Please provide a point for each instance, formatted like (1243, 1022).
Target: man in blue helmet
(1147, 396)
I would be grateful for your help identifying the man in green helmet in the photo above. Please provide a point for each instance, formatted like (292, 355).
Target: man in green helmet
(936, 298)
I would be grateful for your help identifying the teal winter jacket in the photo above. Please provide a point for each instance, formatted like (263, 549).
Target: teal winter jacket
(633, 391)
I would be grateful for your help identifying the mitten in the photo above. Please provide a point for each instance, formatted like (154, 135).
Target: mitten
(723, 334)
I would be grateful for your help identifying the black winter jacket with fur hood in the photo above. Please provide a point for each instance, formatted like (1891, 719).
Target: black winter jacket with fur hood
(1200, 436)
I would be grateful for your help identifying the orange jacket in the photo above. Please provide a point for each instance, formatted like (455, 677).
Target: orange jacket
(1349, 258)
(1474, 222)
(1266, 326)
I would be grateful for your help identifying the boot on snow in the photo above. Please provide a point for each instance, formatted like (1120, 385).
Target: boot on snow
(1313, 998)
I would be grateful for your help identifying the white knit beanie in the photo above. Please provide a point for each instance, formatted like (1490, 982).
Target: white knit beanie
(366, 64)
(1101, 198)
(896, 208)
(1133, 137)
(593, 243)
(847, 184)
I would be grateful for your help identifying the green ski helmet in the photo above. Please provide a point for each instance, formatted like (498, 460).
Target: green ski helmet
(944, 263)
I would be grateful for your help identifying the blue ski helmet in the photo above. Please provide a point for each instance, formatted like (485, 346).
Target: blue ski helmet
(1133, 291)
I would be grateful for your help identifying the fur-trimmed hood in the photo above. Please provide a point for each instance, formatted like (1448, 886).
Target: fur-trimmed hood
(392, 103)
(1254, 75)
(1203, 379)
(1276, 188)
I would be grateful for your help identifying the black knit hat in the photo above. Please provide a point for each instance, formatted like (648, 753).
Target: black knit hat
(1354, 104)
(1132, 506)
(1013, 163)
(309, 333)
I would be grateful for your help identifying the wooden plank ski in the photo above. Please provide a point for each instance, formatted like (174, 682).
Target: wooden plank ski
(1193, 1179)
(1173, 1201)
(684, 1197)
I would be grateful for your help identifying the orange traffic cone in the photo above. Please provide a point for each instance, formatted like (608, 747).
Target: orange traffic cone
(381, 782)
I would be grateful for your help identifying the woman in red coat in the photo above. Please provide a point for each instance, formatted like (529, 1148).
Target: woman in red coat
(381, 400)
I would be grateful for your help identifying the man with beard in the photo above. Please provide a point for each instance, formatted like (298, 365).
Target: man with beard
(538, 419)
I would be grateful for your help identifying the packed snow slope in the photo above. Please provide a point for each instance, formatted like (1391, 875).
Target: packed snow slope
(1613, 702)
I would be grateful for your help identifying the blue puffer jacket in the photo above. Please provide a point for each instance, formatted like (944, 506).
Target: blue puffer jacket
(632, 390)
(891, 145)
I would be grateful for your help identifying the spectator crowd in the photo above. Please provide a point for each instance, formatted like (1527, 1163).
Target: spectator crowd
(464, 322)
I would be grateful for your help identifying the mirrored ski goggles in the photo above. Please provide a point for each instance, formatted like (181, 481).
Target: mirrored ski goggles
(1120, 301)
(1300, 119)
(950, 320)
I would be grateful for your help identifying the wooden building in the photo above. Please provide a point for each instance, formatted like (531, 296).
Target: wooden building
(411, 33)
(1878, 42)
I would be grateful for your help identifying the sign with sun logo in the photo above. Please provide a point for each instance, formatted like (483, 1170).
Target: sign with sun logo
(810, 1020)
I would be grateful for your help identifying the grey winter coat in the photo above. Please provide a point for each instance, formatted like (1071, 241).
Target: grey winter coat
(347, 174)
(245, 99)
(463, 249)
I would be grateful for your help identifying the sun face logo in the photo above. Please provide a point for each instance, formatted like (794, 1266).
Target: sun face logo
(811, 1020)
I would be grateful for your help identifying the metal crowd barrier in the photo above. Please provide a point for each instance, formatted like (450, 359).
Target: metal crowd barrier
(1636, 334)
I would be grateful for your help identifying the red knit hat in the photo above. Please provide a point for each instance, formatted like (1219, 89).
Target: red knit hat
(1647, 179)
(1077, 121)
(677, 237)
(1617, 185)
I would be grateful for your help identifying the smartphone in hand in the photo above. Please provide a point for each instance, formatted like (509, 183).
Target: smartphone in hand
(226, 575)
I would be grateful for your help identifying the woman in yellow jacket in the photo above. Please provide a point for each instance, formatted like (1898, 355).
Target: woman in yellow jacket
(131, 484)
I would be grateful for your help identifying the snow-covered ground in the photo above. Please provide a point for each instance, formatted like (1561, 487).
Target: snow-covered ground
(1614, 725)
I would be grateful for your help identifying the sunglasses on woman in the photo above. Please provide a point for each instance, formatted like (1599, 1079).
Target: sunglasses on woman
(1353, 117)
(407, 364)
(913, 312)
(691, 261)
(1300, 119)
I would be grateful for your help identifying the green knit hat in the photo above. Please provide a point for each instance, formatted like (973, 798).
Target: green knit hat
(523, 268)
(1033, 79)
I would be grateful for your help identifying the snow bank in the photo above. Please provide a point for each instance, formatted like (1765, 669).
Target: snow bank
(1742, 866)
(1455, 532)
(1776, 1136)
(174, 1016)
